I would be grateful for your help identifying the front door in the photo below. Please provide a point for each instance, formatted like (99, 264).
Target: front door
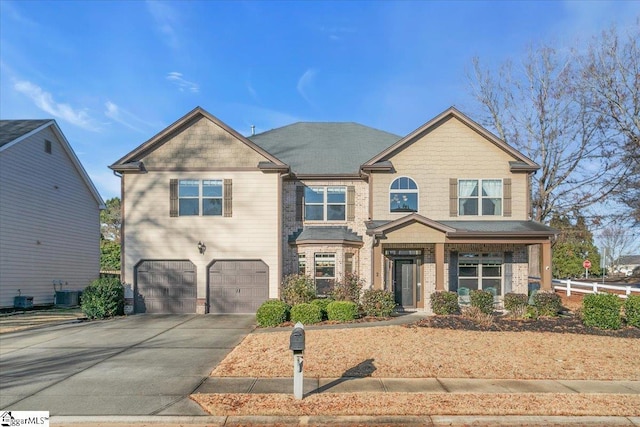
(404, 279)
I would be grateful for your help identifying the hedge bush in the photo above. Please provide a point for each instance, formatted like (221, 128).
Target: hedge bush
(515, 302)
(602, 311)
(272, 313)
(298, 289)
(445, 302)
(306, 313)
(342, 311)
(378, 303)
(322, 303)
(483, 300)
(103, 298)
(548, 304)
(348, 288)
(632, 310)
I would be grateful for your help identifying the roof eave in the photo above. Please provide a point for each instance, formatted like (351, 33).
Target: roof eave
(326, 242)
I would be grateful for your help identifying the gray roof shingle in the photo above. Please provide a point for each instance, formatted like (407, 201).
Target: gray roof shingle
(10, 130)
(488, 227)
(324, 148)
(325, 233)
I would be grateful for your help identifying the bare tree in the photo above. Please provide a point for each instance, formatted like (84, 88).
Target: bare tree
(617, 240)
(545, 107)
(609, 81)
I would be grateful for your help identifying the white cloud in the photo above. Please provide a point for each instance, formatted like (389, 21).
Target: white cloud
(44, 101)
(166, 19)
(124, 117)
(305, 82)
(184, 85)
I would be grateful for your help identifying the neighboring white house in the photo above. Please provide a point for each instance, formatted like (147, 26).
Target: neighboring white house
(49, 214)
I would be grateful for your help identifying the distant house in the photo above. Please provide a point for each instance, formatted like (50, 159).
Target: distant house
(213, 220)
(49, 214)
(627, 264)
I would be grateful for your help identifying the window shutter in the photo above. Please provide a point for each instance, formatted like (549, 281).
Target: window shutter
(508, 272)
(173, 197)
(453, 271)
(506, 197)
(453, 197)
(228, 198)
(351, 203)
(299, 202)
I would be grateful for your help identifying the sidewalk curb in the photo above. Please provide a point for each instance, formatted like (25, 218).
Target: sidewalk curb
(345, 420)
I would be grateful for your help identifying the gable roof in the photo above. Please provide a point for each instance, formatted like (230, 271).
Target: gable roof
(522, 162)
(12, 132)
(325, 148)
(133, 157)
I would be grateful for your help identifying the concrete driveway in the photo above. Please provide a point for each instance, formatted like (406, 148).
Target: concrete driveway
(137, 365)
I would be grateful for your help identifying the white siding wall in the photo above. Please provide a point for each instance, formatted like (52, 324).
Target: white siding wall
(251, 233)
(49, 222)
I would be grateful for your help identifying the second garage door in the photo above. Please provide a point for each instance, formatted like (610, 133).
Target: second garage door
(237, 286)
(165, 286)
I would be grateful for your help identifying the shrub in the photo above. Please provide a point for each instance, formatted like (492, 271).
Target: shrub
(548, 304)
(103, 298)
(272, 313)
(306, 314)
(632, 310)
(483, 300)
(515, 302)
(322, 303)
(444, 302)
(342, 311)
(348, 288)
(602, 311)
(476, 314)
(298, 289)
(378, 303)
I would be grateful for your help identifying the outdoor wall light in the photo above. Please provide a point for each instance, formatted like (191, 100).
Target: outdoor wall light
(201, 248)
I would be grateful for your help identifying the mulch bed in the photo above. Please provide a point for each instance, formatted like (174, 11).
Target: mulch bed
(565, 324)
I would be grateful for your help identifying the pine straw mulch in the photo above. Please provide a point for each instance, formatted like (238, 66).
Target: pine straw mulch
(377, 404)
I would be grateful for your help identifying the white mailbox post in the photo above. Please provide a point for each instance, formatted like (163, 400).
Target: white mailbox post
(296, 344)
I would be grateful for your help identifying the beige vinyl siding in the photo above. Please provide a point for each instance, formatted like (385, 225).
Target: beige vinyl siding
(49, 222)
(251, 232)
(452, 150)
(203, 144)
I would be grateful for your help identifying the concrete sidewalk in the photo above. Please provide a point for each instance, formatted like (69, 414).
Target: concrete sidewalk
(414, 385)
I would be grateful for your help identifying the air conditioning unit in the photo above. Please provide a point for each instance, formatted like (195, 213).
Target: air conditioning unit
(66, 298)
(23, 302)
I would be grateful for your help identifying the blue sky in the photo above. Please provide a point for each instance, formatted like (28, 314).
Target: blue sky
(115, 73)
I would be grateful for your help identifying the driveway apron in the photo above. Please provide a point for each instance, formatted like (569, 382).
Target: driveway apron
(137, 365)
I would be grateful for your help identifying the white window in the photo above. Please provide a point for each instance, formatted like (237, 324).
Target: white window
(302, 264)
(325, 203)
(480, 197)
(197, 197)
(325, 273)
(480, 271)
(403, 195)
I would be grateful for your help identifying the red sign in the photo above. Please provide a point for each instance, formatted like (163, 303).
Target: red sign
(586, 263)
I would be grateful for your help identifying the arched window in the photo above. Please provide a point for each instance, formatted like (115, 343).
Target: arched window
(403, 195)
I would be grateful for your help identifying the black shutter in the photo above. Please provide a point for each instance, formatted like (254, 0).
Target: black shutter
(299, 202)
(453, 271)
(173, 197)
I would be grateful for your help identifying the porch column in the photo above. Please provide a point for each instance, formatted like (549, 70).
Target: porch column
(376, 266)
(545, 268)
(439, 266)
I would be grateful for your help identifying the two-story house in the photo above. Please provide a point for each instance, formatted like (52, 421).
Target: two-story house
(213, 220)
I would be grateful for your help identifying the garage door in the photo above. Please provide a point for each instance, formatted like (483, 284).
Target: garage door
(165, 287)
(238, 286)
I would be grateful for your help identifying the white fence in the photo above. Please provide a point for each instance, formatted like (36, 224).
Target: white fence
(592, 288)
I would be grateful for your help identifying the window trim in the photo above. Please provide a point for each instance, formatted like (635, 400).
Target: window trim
(479, 198)
(415, 191)
(201, 197)
(319, 256)
(325, 203)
